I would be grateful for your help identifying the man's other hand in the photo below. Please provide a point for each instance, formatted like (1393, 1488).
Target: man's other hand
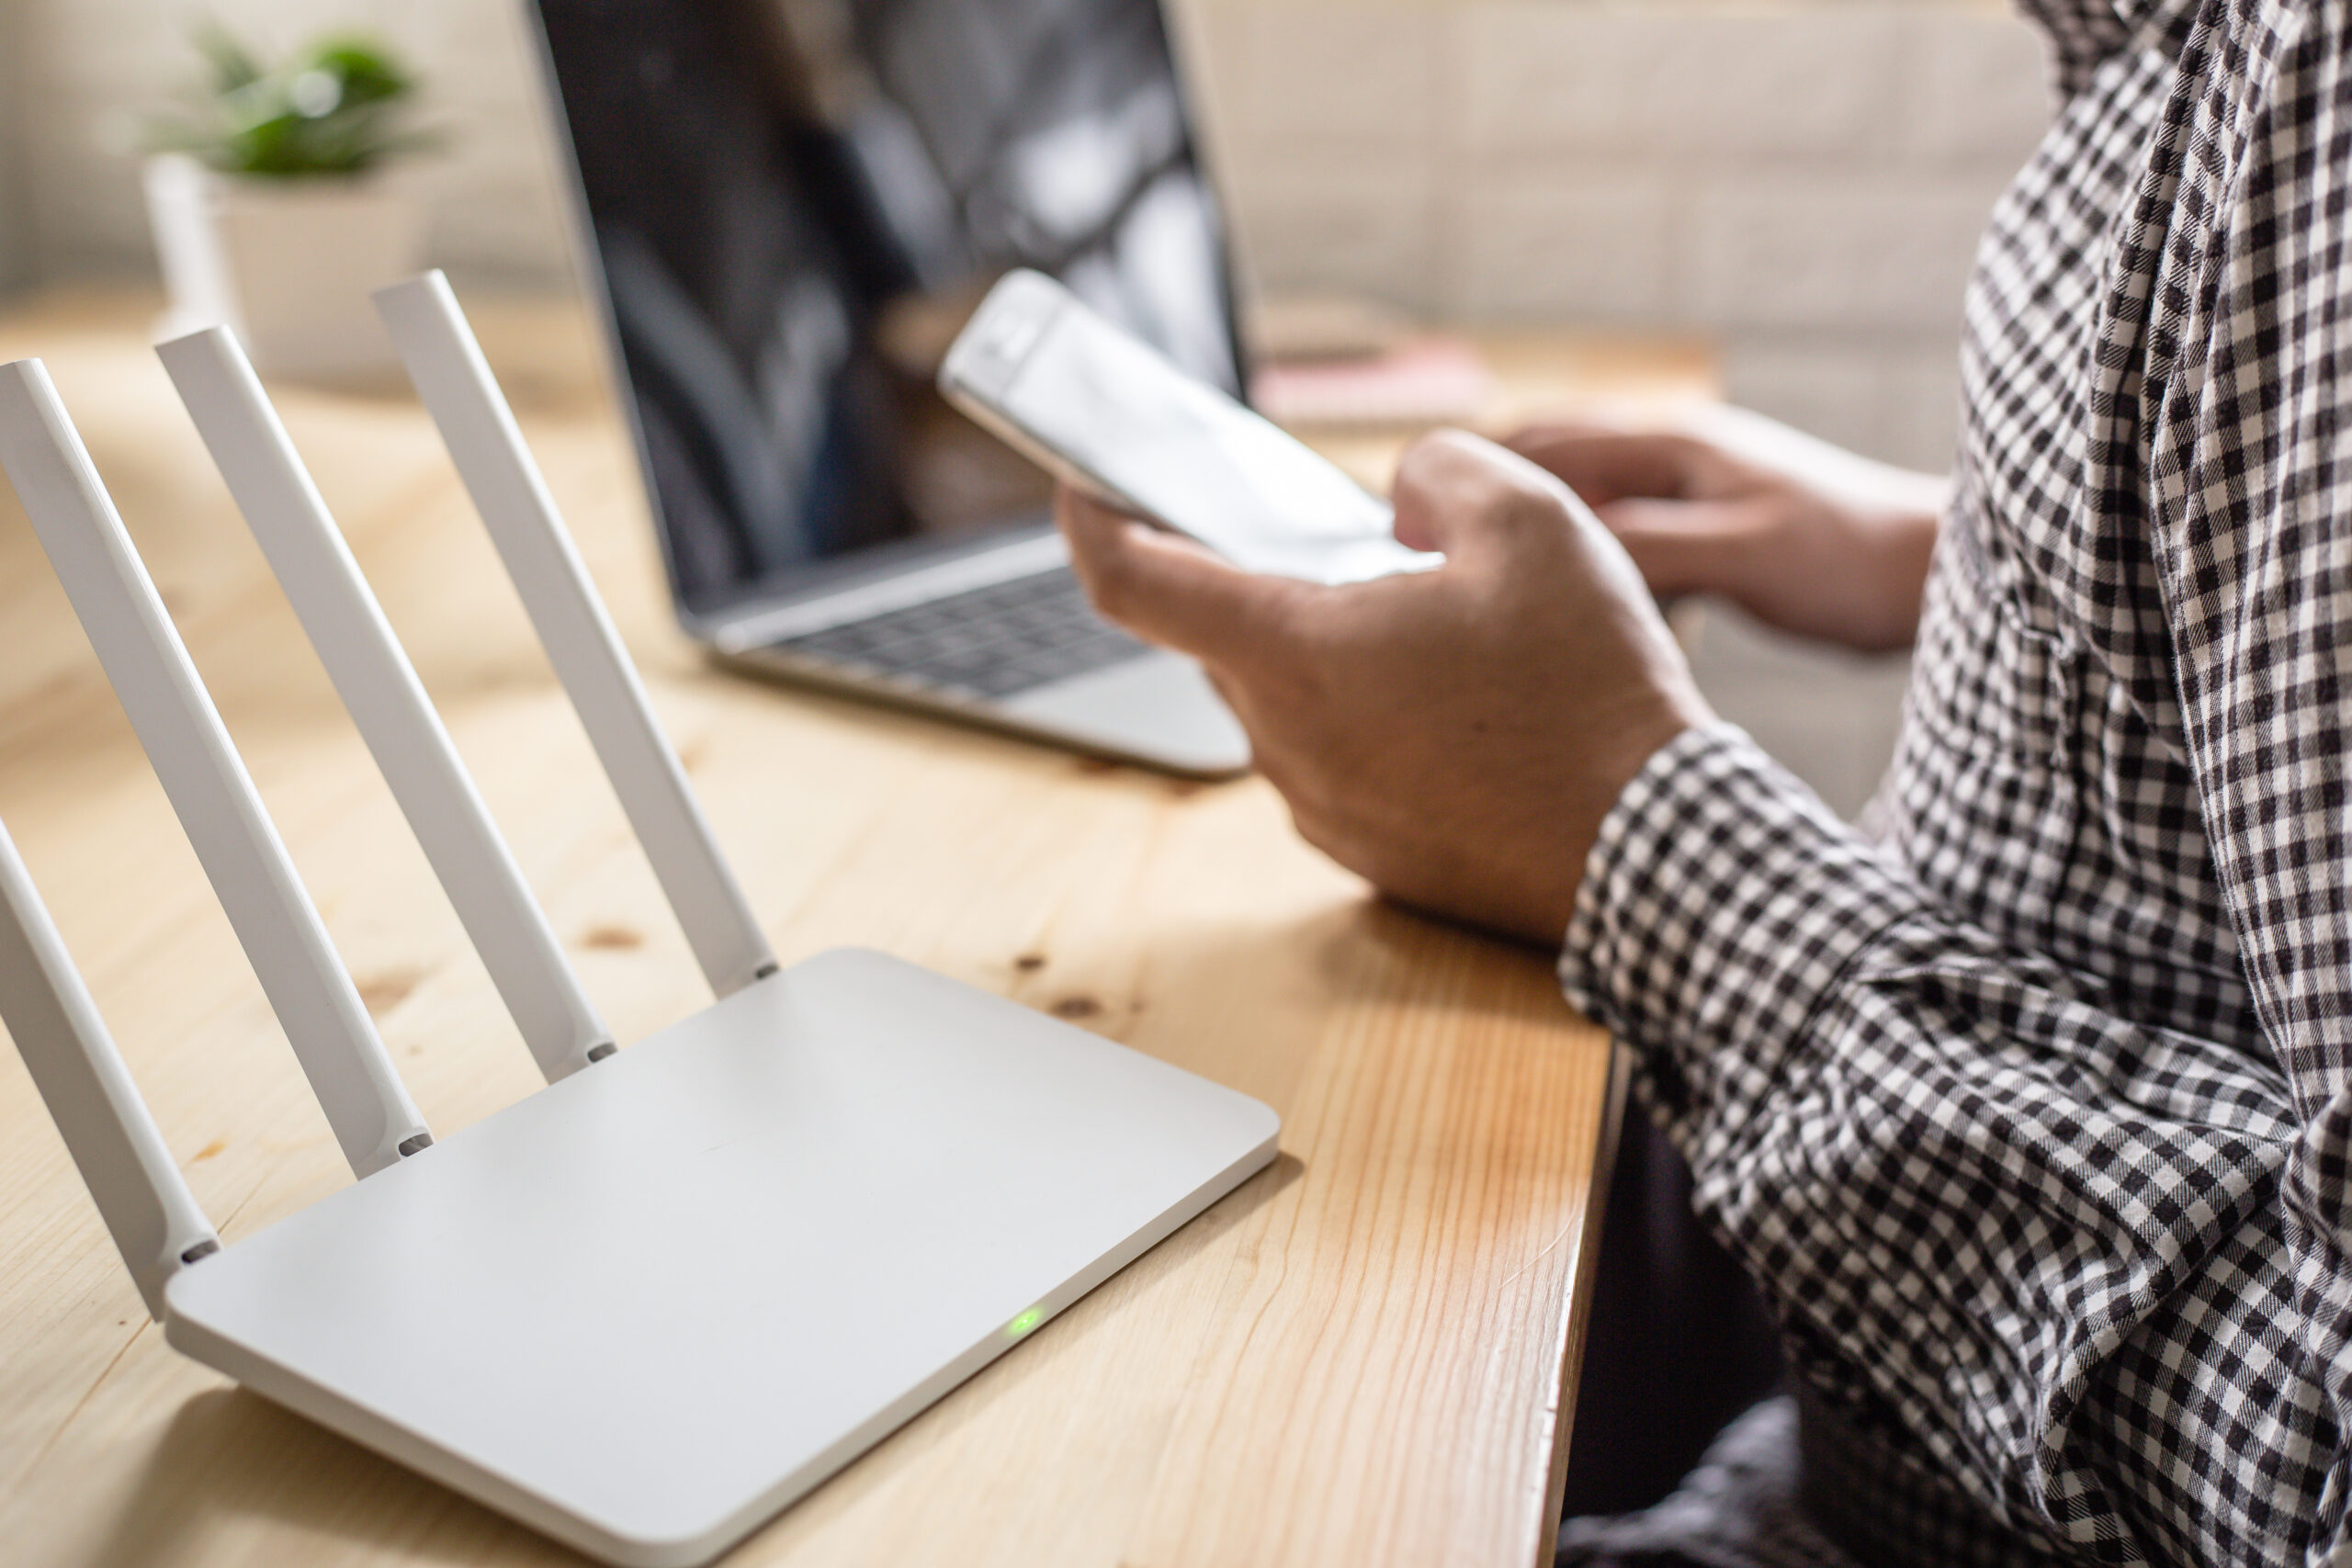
(1453, 736)
(1801, 535)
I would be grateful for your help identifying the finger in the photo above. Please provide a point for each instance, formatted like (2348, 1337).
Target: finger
(1169, 591)
(1075, 507)
(1685, 546)
(1602, 463)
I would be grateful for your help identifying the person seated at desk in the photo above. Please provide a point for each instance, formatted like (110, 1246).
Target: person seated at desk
(2028, 1111)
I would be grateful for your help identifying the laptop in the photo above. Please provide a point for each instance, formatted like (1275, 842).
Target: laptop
(785, 210)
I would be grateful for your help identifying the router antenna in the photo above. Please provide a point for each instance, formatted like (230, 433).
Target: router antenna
(451, 374)
(386, 700)
(372, 1116)
(148, 1210)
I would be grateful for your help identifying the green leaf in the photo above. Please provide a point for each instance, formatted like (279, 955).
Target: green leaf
(368, 75)
(332, 108)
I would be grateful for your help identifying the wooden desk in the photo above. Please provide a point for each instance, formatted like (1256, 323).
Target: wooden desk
(1356, 1360)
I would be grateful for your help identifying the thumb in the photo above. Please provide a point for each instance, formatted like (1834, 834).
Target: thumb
(1465, 496)
(1169, 590)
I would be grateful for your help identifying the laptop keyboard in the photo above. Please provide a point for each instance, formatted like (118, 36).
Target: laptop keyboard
(986, 642)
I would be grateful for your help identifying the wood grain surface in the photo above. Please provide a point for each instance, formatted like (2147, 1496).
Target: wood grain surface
(1356, 1360)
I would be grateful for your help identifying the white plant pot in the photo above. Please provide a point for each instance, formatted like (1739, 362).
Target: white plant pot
(289, 263)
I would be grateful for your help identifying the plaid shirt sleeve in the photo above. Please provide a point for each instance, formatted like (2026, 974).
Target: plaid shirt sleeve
(2033, 1116)
(2018, 1232)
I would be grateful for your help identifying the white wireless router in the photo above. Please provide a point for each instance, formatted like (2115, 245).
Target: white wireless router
(659, 1300)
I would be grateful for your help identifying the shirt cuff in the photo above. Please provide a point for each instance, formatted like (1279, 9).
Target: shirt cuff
(1721, 905)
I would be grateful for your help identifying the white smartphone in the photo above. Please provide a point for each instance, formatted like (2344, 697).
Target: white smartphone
(1096, 406)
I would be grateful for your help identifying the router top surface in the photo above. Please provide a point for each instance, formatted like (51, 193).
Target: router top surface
(651, 1304)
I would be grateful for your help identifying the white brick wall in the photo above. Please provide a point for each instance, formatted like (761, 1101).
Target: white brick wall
(1606, 247)
(1834, 250)
(1801, 179)
(1541, 79)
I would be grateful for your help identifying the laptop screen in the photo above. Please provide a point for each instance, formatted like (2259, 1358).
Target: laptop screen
(796, 203)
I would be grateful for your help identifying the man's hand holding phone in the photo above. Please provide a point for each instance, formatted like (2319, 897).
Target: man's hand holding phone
(1454, 736)
(1452, 693)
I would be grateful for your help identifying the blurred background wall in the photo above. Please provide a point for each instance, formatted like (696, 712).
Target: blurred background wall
(15, 213)
(1802, 181)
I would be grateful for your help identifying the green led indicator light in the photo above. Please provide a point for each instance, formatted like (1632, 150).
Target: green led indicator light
(1025, 1323)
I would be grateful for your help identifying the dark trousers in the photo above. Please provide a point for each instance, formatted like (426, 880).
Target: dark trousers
(1676, 1342)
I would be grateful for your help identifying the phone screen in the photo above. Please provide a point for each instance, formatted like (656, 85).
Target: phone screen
(1189, 456)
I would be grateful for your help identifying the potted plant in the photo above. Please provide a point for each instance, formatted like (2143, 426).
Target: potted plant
(271, 210)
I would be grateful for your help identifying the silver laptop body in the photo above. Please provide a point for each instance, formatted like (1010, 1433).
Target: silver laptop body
(784, 209)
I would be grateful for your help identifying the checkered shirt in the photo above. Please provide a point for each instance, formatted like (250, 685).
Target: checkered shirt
(2032, 1113)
